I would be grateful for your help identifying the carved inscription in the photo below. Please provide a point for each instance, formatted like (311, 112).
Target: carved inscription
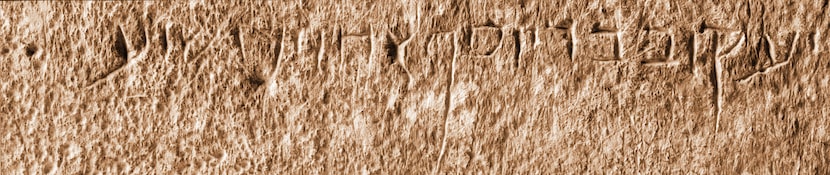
(657, 47)
(397, 51)
(702, 47)
(774, 56)
(607, 39)
(484, 36)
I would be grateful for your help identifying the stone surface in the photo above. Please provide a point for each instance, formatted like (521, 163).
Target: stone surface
(412, 87)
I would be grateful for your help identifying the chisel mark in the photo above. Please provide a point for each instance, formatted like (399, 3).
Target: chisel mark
(770, 49)
(715, 78)
(618, 53)
(124, 50)
(321, 52)
(518, 52)
(448, 103)
(692, 53)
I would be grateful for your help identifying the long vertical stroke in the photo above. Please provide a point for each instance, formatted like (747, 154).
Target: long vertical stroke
(448, 103)
(715, 78)
(321, 53)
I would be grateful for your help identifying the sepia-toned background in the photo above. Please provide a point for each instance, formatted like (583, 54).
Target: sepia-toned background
(414, 87)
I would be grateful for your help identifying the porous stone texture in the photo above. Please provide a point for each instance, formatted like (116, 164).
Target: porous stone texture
(415, 87)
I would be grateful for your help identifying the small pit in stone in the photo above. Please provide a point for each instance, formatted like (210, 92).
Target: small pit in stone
(31, 49)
